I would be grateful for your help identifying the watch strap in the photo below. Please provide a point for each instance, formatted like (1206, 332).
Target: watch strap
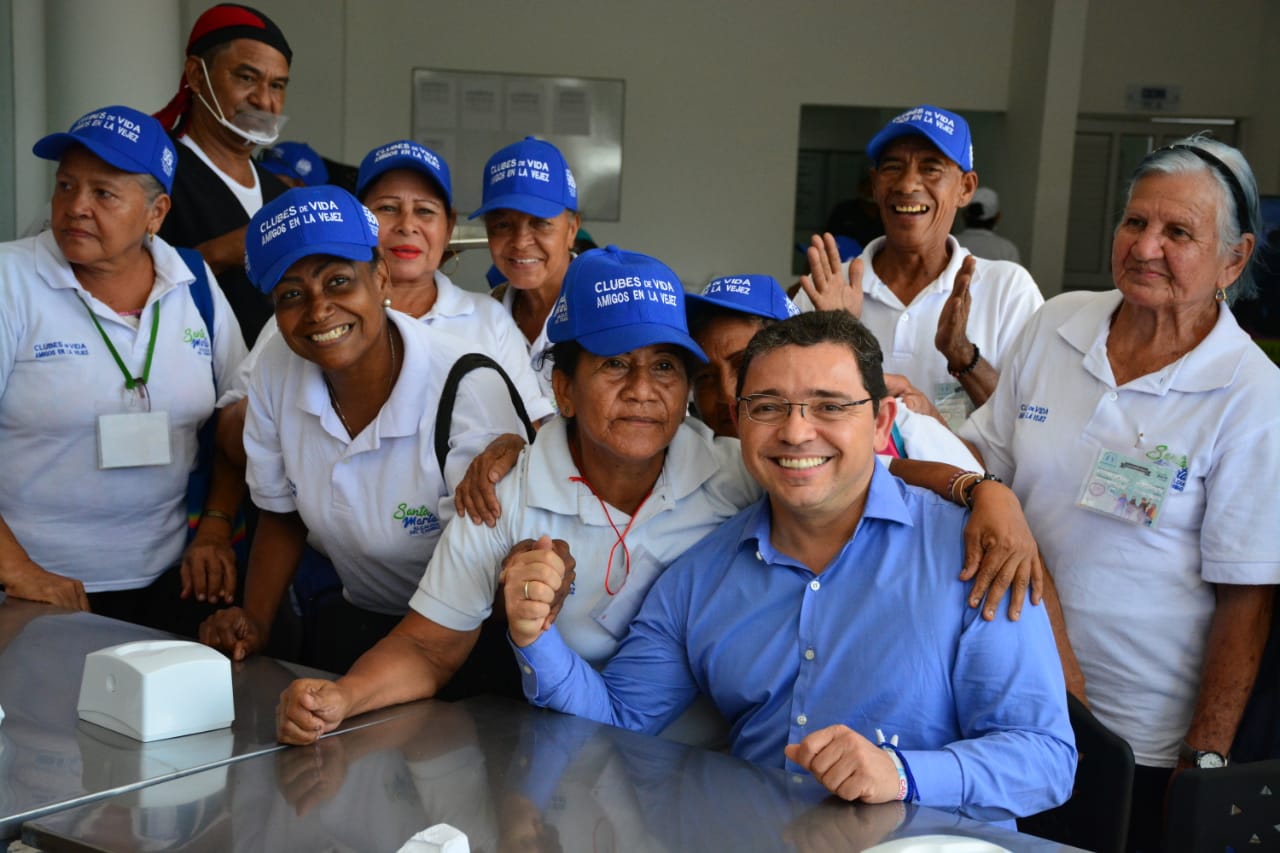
(1195, 757)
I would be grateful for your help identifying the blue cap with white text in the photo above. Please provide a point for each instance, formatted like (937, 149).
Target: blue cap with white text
(758, 295)
(302, 222)
(296, 160)
(131, 141)
(530, 176)
(945, 129)
(405, 154)
(614, 301)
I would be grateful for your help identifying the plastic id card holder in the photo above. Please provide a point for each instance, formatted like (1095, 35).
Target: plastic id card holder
(1130, 488)
(133, 440)
(953, 403)
(615, 612)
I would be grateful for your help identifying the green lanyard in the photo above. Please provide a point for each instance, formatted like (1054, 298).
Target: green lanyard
(129, 381)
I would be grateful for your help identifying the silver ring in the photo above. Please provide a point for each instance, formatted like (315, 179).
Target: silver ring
(526, 590)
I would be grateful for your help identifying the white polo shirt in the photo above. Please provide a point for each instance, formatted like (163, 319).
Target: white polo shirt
(1138, 601)
(478, 318)
(702, 483)
(375, 504)
(471, 317)
(536, 352)
(1004, 297)
(118, 528)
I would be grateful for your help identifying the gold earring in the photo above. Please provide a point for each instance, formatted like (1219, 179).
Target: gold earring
(151, 238)
(1220, 294)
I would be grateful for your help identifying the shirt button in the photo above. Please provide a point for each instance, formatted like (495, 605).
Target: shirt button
(815, 585)
(802, 720)
(809, 654)
(1113, 396)
(905, 317)
(797, 778)
(528, 670)
(759, 556)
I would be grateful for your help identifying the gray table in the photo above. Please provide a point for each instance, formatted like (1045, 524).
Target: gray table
(50, 759)
(511, 777)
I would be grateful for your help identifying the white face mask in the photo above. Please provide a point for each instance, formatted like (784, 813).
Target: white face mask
(255, 127)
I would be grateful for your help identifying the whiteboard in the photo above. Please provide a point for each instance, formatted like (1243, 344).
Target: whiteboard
(466, 116)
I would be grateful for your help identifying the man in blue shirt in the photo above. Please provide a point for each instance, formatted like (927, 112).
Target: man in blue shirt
(827, 616)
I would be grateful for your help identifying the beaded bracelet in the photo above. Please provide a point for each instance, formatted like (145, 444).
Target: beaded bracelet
(968, 368)
(967, 491)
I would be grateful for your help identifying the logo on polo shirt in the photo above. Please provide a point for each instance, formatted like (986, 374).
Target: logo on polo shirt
(56, 349)
(417, 520)
(1161, 455)
(198, 340)
(1032, 412)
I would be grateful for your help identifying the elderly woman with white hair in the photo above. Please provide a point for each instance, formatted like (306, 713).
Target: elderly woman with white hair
(1134, 425)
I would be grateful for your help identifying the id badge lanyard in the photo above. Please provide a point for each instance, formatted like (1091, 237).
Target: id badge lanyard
(137, 438)
(131, 383)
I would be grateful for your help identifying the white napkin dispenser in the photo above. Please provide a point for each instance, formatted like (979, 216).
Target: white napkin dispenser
(440, 838)
(157, 689)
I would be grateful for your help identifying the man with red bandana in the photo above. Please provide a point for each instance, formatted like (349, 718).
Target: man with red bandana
(229, 101)
(944, 318)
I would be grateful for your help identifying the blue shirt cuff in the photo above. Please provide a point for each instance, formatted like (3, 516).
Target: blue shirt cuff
(545, 661)
(939, 778)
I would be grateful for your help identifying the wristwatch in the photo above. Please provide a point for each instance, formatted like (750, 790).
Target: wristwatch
(1202, 758)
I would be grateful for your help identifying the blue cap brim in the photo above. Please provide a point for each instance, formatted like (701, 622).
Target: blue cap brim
(278, 167)
(694, 302)
(529, 204)
(622, 339)
(895, 131)
(53, 146)
(406, 161)
(351, 251)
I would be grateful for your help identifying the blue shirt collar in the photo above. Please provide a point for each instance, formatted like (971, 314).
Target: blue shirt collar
(884, 504)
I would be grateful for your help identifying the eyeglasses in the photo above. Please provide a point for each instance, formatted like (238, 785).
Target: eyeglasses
(771, 410)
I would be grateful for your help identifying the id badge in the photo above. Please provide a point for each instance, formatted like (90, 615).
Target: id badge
(1130, 488)
(953, 403)
(133, 440)
(615, 612)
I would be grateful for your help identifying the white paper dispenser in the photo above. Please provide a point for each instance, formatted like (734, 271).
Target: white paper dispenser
(157, 689)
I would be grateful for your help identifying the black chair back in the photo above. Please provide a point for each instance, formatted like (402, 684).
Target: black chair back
(1236, 807)
(1097, 815)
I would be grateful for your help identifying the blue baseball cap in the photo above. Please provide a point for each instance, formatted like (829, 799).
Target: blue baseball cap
(530, 176)
(758, 295)
(613, 302)
(404, 154)
(945, 129)
(122, 137)
(296, 160)
(302, 222)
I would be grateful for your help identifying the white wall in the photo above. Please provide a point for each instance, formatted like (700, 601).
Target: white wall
(714, 89)
(712, 100)
(1223, 54)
